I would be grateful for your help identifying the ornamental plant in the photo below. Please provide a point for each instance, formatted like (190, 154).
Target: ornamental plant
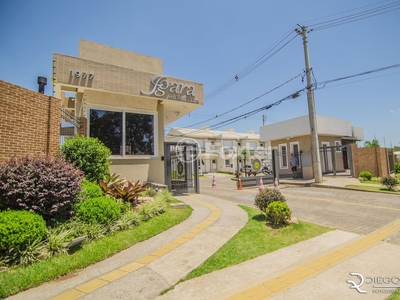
(365, 175)
(90, 190)
(278, 213)
(127, 191)
(88, 154)
(100, 210)
(48, 186)
(19, 228)
(390, 182)
(267, 196)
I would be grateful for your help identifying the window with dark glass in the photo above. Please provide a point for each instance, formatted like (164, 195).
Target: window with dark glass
(139, 137)
(113, 128)
(107, 127)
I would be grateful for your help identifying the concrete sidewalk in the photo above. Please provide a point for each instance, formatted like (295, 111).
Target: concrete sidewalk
(146, 269)
(317, 268)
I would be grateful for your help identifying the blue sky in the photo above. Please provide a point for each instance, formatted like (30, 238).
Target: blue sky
(211, 41)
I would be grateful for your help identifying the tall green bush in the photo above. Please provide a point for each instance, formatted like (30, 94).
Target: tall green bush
(89, 154)
(101, 210)
(267, 196)
(46, 185)
(20, 228)
(90, 190)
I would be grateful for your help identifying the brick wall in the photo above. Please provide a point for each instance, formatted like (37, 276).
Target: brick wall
(373, 160)
(29, 122)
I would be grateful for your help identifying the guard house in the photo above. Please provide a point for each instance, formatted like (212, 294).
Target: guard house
(124, 99)
(293, 136)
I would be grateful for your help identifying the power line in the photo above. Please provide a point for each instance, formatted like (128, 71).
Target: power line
(254, 65)
(324, 83)
(358, 81)
(292, 96)
(356, 17)
(343, 12)
(246, 103)
(248, 114)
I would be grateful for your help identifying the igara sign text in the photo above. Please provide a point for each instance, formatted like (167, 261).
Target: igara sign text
(173, 90)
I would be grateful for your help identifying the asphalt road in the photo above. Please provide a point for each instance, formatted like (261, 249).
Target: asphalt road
(352, 211)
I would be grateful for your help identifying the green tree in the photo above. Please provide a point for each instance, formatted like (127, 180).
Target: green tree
(372, 144)
(244, 155)
(88, 154)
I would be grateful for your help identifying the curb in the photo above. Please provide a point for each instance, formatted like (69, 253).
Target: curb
(318, 185)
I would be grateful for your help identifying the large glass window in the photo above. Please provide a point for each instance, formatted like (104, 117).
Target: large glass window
(107, 127)
(140, 133)
(125, 133)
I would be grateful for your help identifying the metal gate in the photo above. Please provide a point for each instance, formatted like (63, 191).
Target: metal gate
(181, 161)
(336, 160)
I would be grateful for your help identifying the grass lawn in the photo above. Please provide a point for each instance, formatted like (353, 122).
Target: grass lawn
(256, 239)
(18, 278)
(395, 295)
(373, 188)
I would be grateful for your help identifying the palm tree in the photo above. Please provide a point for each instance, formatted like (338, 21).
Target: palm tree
(373, 144)
(244, 154)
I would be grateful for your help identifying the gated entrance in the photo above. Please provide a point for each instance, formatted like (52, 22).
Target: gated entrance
(336, 160)
(181, 161)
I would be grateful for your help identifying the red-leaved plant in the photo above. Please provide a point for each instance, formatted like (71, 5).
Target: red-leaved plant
(48, 186)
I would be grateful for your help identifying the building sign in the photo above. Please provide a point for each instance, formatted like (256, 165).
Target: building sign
(173, 90)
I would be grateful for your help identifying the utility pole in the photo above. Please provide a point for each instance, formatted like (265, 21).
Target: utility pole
(311, 109)
(264, 118)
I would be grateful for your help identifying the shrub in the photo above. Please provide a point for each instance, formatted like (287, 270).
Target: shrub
(148, 192)
(149, 210)
(90, 190)
(397, 167)
(278, 213)
(89, 154)
(365, 175)
(390, 182)
(57, 239)
(267, 196)
(127, 191)
(128, 219)
(98, 210)
(164, 194)
(45, 185)
(34, 251)
(20, 228)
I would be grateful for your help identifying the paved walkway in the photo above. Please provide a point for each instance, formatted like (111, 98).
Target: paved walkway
(314, 269)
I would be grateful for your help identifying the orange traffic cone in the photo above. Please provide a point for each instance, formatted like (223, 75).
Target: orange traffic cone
(261, 186)
(240, 184)
(214, 184)
(276, 184)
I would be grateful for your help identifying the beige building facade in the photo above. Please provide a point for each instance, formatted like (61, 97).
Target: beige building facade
(126, 101)
(293, 136)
